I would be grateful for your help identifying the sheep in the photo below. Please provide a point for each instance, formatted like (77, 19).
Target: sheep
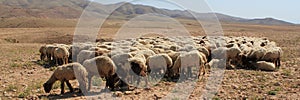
(50, 50)
(61, 54)
(232, 55)
(102, 66)
(204, 51)
(256, 54)
(138, 65)
(65, 73)
(157, 50)
(219, 53)
(120, 60)
(43, 52)
(273, 55)
(187, 61)
(159, 62)
(146, 53)
(263, 65)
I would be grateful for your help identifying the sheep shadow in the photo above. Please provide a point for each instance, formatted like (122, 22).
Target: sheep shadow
(69, 95)
(61, 96)
(45, 64)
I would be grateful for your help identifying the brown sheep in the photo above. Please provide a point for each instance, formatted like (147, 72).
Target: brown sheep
(43, 52)
(50, 52)
(65, 73)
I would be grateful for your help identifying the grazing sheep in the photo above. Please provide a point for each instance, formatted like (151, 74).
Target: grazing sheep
(43, 52)
(139, 67)
(65, 73)
(232, 55)
(102, 66)
(256, 54)
(120, 60)
(159, 63)
(273, 55)
(187, 61)
(61, 55)
(50, 52)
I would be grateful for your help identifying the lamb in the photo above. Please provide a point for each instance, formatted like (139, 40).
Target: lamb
(61, 55)
(273, 55)
(159, 62)
(65, 73)
(101, 65)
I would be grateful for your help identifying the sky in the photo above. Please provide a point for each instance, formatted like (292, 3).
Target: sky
(287, 10)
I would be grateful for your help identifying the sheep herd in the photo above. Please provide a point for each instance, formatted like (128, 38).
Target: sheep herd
(124, 62)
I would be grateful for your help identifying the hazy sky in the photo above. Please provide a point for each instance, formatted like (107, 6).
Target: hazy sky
(287, 10)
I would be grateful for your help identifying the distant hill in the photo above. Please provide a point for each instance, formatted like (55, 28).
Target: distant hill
(14, 10)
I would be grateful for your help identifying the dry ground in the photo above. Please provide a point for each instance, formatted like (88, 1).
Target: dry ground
(22, 73)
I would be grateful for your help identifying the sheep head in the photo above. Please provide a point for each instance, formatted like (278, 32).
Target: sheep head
(138, 66)
(47, 87)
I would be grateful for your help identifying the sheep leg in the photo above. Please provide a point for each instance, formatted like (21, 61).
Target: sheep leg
(48, 57)
(56, 61)
(90, 82)
(62, 87)
(278, 63)
(189, 69)
(146, 80)
(66, 60)
(42, 57)
(70, 86)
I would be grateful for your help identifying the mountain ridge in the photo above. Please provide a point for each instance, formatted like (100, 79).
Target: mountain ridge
(72, 9)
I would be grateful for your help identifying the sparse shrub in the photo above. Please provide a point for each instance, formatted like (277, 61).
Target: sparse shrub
(25, 93)
(272, 92)
(11, 88)
(15, 65)
(215, 98)
(286, 72)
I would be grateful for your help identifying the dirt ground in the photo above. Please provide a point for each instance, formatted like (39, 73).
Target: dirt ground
(22, 74)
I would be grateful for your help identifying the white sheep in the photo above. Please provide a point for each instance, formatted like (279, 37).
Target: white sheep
(263, 65)
(65, 73)
(102, 66)
(158, 64)
(61, 55)
(273, 55)
(138, 65)
(122, 70)
(185, 62)
(256, 54)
